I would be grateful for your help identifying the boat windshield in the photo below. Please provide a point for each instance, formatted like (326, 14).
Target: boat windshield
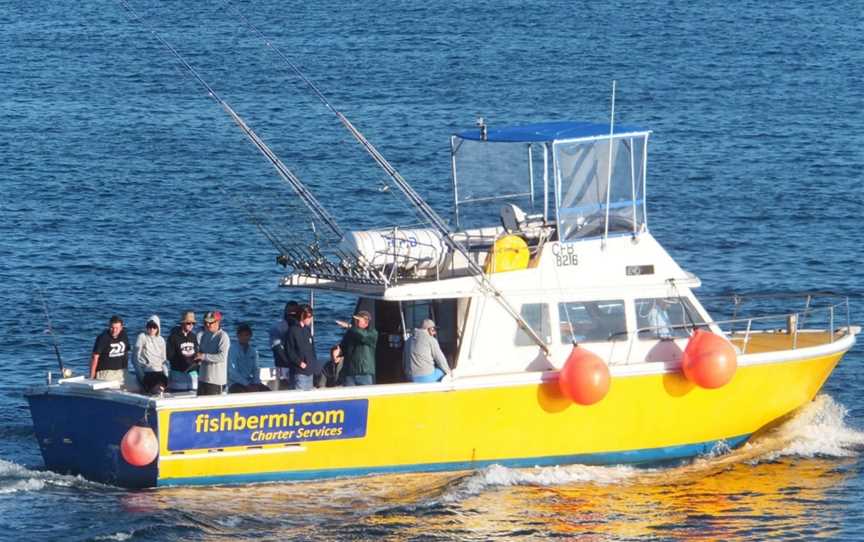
(587, 191)
(489, 175)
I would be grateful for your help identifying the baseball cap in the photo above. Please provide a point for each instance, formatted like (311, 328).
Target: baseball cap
(213, 316)
(427, 324)
(363, 315)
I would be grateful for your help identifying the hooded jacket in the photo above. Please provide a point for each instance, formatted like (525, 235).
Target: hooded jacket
(149, 355)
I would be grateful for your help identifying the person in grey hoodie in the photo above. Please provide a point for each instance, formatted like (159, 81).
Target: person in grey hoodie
(149, 358)
(422, 358)
(213, 345)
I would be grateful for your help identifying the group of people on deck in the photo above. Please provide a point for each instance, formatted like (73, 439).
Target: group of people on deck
(187, 360)
(206, 362)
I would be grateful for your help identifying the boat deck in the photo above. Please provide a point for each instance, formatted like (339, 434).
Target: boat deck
(772, 341)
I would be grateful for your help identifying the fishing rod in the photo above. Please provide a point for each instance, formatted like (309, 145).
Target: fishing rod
(305, 258)
(391, 171)
(246, 207)
(286, 174)
(50, 330)
(407, 190)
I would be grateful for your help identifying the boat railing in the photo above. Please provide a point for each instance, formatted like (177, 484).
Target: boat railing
(809, 326)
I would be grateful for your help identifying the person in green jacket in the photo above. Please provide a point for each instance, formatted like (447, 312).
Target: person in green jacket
(358, 348)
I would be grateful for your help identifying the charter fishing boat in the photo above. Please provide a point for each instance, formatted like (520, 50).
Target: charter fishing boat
(514, 300)
(572, 334)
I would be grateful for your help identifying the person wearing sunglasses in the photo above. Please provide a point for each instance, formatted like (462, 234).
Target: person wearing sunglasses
(149, 358)
(213, 346)
(181, 348)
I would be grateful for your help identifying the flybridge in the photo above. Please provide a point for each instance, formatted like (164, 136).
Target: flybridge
(556, 181)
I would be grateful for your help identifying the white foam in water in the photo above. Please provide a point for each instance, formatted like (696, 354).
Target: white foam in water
(15, 477)
(22, 485)
(819, 430)
(499, 476)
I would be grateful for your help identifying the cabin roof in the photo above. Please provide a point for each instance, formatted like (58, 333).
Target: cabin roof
(546, 131)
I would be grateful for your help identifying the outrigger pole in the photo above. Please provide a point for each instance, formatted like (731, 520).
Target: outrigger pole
(286, 174)
(424, 208)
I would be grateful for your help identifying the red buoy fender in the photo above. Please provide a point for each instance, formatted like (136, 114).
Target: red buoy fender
(584, 378)
(139, 446)
(709, 360)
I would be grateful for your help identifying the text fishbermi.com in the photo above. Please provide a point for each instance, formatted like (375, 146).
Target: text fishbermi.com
(238, 422)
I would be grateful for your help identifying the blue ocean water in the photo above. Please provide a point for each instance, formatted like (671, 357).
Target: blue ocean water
(119, 189)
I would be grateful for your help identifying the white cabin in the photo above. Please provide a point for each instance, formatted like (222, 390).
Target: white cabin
(554, 216)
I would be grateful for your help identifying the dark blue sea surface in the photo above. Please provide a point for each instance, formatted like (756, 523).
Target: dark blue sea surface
(122, 183)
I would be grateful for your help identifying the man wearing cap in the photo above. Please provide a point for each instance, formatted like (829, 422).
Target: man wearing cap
(422, 358)
(181, 348)
(213, 345)
(110, 352)
(358, 348)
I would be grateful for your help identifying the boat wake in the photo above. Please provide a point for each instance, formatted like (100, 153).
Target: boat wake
(817, 430)
(499, 476)
(16, 478)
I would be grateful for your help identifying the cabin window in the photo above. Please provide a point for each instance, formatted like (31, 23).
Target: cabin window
(537, 316)
(592, 321)
(665, 317)
(416, 312)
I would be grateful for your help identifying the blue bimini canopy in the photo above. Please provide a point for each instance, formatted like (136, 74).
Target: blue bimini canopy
(546, 131)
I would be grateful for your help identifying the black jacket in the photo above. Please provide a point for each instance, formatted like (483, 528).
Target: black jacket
(180, 350)
(279, 341)
(301, 347)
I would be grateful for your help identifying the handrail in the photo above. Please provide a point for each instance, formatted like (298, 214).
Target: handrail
(799, 318)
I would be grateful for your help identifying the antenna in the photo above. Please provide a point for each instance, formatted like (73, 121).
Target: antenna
(609, 168)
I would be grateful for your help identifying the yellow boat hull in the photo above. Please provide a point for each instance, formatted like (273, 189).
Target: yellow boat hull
(472, 423)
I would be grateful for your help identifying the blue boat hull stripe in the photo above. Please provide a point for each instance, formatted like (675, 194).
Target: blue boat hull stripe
(643, 457)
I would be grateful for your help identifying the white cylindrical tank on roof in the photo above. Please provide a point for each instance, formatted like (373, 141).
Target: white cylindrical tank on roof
(420, 248)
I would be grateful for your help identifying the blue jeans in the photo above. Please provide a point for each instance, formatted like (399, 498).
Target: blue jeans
(180, 381)
(303, 382)
(359, 380)
(436, 375)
